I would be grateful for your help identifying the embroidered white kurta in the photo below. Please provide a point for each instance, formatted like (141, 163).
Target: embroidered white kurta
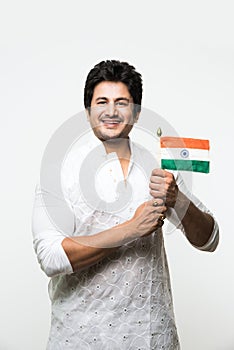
(124, 301)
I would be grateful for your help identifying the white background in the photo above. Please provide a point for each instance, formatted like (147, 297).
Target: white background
(185, 52)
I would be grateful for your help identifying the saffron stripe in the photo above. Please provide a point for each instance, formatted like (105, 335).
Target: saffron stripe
(183, 142)
(188, 165)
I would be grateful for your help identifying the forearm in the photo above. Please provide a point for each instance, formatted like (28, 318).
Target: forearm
(60, 253)
(198, 225)
(82, 256)
(84, 251)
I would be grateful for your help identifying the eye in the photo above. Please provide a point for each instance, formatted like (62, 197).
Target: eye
(101, 102)
(122, 103)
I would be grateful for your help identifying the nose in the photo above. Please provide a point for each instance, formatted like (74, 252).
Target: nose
(111, 109)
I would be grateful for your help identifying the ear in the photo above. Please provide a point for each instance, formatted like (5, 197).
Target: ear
(136, 117)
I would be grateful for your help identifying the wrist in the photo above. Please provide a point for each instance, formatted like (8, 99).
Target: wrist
(181, 205)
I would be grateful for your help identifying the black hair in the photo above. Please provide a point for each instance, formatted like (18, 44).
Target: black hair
(115, 71)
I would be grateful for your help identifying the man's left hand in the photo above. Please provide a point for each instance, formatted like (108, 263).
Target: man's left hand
(163, 185)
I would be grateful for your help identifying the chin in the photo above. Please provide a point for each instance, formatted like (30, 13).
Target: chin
(107, 136)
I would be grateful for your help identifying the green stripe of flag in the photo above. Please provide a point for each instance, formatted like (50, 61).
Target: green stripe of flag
(189, 165)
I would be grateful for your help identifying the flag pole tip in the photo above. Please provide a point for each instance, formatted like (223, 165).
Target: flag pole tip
(159, 132)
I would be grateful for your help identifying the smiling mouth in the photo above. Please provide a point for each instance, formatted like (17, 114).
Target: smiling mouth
(111, 122)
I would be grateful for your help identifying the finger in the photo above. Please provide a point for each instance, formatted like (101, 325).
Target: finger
(157, 179)
(158, 194)
(160, 220)
(158, 172)
(162, 216)
(158, 206)
(157, 186)
(157, 202)
(160, 223)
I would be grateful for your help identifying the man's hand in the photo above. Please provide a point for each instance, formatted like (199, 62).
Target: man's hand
(148, 217)
(163, 186)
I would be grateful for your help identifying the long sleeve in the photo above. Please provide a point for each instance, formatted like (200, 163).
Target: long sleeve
(53, 216)
(52, 221)
(213, 241)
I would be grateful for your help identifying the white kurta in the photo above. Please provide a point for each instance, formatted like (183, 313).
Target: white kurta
(123, 302)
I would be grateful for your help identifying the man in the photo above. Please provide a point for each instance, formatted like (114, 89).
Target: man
(110, 285)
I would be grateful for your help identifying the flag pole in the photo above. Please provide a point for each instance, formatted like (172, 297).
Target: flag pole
(159, 134)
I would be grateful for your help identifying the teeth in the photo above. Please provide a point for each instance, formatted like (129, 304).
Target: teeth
(110, 122)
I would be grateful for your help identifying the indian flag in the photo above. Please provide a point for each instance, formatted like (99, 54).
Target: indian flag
(179, 153)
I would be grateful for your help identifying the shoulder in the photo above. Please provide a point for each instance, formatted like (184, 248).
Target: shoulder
(79, 150)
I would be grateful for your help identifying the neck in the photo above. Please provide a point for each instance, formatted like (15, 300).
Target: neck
(120, 146)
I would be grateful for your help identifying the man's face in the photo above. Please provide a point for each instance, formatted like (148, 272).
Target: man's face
(111, 113)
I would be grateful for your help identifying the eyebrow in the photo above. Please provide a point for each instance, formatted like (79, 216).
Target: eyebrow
(122, 98)
(117, 99)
